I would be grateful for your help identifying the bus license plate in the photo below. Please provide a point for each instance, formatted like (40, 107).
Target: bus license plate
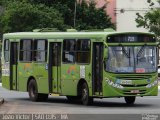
(126, 82)
(134, 91)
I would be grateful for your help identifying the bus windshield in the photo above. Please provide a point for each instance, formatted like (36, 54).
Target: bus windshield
(131, 59)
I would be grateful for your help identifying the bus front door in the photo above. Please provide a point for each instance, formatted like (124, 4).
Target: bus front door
(13, 66)
(97, 66)
(54, 67)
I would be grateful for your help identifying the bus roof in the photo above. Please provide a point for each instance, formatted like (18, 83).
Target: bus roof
(48, 35)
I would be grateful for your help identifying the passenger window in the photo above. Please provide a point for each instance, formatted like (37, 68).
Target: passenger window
(83, 51)
(26, 50)
(69, 52)
(40, 50)
(6, 50)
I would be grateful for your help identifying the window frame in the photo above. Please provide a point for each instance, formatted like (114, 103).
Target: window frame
(64, 51)
(35, 50)
(76, 51)
(83, 51)
(6, 50)
(23, 50)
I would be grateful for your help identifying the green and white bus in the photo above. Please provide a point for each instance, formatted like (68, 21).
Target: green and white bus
(81, 65)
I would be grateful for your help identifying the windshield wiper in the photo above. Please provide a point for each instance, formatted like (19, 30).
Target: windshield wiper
(140, 52)
(125, 52)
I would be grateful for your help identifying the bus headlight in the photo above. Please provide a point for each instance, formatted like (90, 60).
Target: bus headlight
(115, 85)
(152, 84)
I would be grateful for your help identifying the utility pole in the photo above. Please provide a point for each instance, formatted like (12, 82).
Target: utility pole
(75, 10)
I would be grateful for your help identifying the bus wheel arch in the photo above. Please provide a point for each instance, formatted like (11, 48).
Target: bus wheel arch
(29, 79)
(79, 85)
(32, 89)
(83, 92)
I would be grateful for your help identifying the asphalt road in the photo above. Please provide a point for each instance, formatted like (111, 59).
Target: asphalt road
(112, 108)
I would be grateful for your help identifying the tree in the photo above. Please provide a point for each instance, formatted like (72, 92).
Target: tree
(87, 15)
(90, 17)
(24, 16)
(151, 19)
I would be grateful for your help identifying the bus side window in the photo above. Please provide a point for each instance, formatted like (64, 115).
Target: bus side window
(26, 50)
(6, 50)
(40, 50)
(69, 46)
(83, 51)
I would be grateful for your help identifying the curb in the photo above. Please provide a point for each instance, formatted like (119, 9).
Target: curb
(1, 101)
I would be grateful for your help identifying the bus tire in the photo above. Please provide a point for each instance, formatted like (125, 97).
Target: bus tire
(130, 100)
(33, 92)
(86, 100)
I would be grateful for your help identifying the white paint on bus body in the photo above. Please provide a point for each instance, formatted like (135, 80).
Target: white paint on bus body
(82, 71)
(5, 69)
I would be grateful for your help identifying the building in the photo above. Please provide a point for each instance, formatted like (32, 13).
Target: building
(123, 13)
(126, 14)
(110, 5)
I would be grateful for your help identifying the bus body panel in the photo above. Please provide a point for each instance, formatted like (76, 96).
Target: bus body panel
(6, 82)
(138, 86)
(14, 77)
(25, 71)
(69, 78)
(40, 73)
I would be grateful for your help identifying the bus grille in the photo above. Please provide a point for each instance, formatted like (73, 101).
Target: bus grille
(128, 92)
(140, 85)
(134, 77)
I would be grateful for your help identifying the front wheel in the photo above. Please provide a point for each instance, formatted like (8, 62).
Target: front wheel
(86, 100)
(130, 100)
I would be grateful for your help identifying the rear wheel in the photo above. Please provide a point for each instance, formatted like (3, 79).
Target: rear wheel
(33, 92)
(86, 100)
(130, 100)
